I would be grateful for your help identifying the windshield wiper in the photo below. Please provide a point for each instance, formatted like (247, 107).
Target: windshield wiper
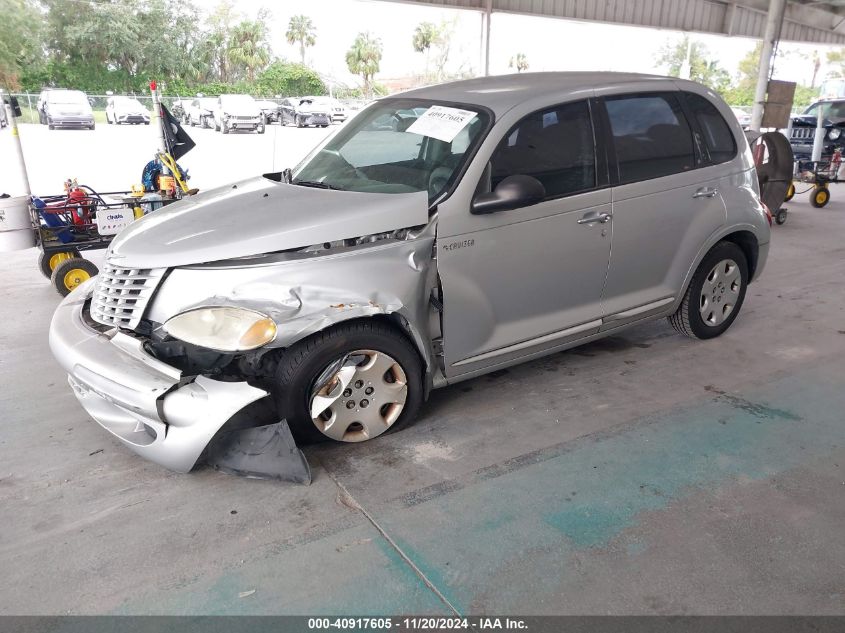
(317, 184)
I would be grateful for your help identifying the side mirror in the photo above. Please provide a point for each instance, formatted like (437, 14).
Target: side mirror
(513, 192)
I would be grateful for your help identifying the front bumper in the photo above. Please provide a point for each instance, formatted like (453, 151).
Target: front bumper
(72, 122)
(316, 119)
(133, 118)
(148, 405)
(243, 124)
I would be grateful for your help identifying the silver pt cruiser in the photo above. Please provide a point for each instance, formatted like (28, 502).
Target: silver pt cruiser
(443, 233)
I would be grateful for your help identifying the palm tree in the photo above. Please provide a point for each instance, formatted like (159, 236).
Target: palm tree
(520, 62)
(363, 58)
(425, 36)
(248, 47)
(301, 29)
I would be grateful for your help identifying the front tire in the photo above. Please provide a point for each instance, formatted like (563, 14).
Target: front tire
(350, 383)
(72, 273)
(715, 294)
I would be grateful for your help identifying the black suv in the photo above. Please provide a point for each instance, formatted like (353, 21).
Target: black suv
(804, 129)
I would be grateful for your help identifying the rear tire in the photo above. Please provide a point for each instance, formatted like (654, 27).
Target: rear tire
(819, 197)
(710, 304)
(46, 263)
(304, 362)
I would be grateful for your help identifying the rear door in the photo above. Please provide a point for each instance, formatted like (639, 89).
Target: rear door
(666, 202)
(523, 280)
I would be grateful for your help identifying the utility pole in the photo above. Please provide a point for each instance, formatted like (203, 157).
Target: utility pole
(774, 21)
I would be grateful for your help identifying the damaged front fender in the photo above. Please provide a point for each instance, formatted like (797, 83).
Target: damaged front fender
(307, 293)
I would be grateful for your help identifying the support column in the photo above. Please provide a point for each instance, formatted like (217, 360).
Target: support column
(774, 21)
(488, 13)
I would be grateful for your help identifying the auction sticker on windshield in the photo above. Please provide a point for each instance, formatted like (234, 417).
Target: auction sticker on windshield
(442, 123)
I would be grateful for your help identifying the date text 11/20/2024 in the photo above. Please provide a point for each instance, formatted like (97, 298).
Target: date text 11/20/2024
(418, 623)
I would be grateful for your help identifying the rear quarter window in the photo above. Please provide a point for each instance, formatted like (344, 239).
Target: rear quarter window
(717, 136)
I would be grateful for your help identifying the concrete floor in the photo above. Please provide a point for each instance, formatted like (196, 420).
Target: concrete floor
(646, 473)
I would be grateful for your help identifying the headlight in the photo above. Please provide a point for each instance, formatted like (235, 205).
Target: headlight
(834, 134)
(224, 328)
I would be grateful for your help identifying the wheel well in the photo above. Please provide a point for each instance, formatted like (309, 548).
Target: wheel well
(748, 243)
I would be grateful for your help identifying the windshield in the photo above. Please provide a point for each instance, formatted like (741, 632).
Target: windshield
(73, 98)
(207, 103)
(830, 110)
(127, 102)
(232, 100)
(397, 146)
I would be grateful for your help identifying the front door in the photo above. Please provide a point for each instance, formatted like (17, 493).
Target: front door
(527, 279)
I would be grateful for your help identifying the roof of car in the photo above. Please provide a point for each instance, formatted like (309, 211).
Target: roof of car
(501, 93)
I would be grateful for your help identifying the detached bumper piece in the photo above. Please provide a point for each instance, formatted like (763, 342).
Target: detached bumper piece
(262, 452)
(145, 403)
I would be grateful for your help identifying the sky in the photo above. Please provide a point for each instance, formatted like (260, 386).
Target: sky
(548, 43)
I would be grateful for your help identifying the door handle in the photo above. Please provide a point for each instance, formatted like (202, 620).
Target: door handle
(591, 218)
(705, 192)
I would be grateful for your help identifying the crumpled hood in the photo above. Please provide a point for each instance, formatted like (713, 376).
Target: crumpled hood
(259, 216)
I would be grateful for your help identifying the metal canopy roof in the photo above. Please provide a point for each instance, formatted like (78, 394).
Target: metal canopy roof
(812, 21)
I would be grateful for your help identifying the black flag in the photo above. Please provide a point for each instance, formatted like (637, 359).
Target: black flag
(178, 141)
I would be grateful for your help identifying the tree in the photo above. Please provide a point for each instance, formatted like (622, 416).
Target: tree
(290, 79)
(248, 49)
(426, 35)
(443, 45)
(364, 58)
(675, 55)
(301, 29)
(520, 62)
(20, 37)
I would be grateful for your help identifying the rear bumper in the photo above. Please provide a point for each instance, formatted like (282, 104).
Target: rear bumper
(762, 257)
(148, 405)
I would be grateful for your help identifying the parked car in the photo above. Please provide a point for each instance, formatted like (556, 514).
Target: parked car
(201, 111)
(120, 110)
(64, 108)
(179, 109)
(270, 110)
(304, 112)
(743, 117)
(335, 107)
(237, 112)
(394, 261)
(4, 117)
(803, 131)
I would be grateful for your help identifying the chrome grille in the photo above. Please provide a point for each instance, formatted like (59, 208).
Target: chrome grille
(121, 295)
(803, 133)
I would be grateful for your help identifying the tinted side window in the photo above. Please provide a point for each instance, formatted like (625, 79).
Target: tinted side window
(651, 136)
(717, 134)
(554, 146)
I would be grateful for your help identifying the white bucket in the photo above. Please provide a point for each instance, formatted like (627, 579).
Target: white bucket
(16, 232)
